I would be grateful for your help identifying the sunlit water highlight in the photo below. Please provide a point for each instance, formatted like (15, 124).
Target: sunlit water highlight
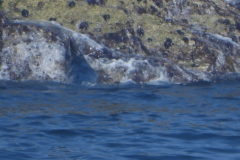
(130, 122)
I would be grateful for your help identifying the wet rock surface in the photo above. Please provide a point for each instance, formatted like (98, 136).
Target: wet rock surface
(182, 41)
(39, 51)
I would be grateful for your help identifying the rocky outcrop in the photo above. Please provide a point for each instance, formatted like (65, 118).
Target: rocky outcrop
(142, 41)
(32, 50)
(39, 51)
(136, 26)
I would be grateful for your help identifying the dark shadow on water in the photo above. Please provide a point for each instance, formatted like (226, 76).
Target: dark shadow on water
(227, 98)
(62, 132)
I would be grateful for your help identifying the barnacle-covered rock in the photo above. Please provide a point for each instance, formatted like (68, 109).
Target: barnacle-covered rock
(201, 37)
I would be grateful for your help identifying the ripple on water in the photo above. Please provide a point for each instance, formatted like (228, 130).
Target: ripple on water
(177, 122)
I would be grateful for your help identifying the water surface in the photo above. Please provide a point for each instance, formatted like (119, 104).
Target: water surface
(129, 122)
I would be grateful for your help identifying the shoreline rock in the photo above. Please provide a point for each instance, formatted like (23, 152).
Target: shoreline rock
(180, 41)
(45, 51)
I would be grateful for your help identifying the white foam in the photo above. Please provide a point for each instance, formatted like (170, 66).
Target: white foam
(127, 70)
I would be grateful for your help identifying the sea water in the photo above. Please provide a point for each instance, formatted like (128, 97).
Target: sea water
(51, 121)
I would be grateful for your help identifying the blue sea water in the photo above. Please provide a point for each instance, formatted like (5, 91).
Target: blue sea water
(51, 121)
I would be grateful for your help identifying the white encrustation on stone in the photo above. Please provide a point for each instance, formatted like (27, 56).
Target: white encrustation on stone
(32, 50)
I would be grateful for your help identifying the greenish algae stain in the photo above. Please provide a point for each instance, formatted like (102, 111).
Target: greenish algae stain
(149, 15)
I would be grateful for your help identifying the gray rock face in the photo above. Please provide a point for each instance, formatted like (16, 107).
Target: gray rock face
(47, 51)
(220, 55)
(30, 55)
(234, 3)
(39, 51)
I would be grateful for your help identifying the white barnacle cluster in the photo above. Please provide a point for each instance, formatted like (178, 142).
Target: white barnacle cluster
(29, 56)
